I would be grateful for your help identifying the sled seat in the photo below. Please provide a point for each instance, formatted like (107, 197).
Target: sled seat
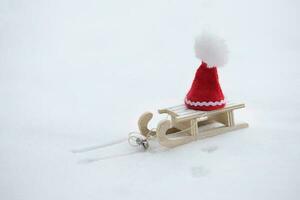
(182, 113)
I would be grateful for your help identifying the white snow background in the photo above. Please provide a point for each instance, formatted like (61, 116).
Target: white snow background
(77, 73)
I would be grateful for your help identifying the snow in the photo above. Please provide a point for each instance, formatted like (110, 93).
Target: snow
(77, 73)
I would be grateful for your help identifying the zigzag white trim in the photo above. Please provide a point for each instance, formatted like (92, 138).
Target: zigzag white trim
(204, 103)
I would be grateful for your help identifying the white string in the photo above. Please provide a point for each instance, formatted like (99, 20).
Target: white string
(94, 147)
(91, 160)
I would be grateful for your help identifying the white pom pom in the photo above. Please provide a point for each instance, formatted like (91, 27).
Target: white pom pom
(211, 49)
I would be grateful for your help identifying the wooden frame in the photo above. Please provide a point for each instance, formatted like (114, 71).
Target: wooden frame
(185, 124)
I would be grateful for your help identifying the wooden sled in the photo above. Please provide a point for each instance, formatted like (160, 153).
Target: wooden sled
(184, 124)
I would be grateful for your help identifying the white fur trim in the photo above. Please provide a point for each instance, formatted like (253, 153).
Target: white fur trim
(204, 103)
(211, 49)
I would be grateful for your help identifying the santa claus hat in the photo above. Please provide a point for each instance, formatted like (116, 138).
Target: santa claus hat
(206, 93)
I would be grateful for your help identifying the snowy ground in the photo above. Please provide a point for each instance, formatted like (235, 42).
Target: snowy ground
(76, 73)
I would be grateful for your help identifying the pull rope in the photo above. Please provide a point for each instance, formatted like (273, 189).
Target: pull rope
(94, 147)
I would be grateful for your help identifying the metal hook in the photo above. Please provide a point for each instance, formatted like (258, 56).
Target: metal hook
(136, 139)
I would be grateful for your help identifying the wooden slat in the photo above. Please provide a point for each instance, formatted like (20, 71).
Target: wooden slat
(172, 110)
(186, 112)
(181, 111)
(178, 108)
(191, 113)
(175, 107)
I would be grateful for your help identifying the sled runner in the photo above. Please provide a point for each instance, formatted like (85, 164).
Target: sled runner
(185, 123)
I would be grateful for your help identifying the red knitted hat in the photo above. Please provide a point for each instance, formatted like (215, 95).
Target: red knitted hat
(206, 93)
